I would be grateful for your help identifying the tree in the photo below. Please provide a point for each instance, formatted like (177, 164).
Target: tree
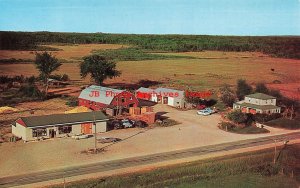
(227, 95)
(237, 116)
(99, 68)
(261, 88)
(46, 64)
(243, 89)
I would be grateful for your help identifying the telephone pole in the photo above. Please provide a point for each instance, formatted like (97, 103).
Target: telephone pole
(95, 134)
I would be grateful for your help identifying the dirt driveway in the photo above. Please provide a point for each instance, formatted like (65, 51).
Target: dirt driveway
(194, 130)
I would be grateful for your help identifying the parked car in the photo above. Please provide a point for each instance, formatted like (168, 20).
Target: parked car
(104, 140)
(116, 124)
(205, 112)
(127, 123)
(80, 136)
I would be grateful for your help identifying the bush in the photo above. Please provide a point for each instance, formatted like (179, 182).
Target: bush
(237, 116)
(30, 91)
(72, 102)
(261, 118)
(167, 123)
(230, 127)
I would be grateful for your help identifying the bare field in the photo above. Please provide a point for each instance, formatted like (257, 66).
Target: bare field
(67, 52)
(210, 69)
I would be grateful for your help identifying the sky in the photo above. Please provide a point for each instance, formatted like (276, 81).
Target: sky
(208, 17)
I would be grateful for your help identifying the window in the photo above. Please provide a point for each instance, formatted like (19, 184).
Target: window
(130, 98)
(39, 132)
(117, 99)
(65, 129)
(123, 99)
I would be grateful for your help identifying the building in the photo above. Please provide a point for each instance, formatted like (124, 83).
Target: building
(109, 99)
(59, 125)
(258, 103)
(160, 95)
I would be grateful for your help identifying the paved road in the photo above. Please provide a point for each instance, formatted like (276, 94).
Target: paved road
(136, 161)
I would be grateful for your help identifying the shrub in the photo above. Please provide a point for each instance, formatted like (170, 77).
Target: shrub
(72, 102)
(261, 118)
(30, 91)
(237, 116)
(167, 123)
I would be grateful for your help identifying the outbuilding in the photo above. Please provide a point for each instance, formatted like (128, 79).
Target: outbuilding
(109, 99)
(59, 125)
(171, 97)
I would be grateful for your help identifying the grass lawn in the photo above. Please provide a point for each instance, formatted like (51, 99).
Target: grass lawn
(252, 169)
(284, 123)
(242, 130)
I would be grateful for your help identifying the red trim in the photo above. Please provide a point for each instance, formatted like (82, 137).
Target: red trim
(21, 122)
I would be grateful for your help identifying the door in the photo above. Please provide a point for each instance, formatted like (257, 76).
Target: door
(165, 100)
(52, 133)
(86, 128)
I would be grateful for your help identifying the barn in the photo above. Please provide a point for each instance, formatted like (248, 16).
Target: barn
(59, 125)
(111, 100)
(171, 97)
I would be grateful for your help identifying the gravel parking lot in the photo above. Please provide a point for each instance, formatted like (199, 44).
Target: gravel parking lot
(194, 130)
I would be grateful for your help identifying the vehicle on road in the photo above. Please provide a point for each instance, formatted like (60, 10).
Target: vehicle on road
(104, 140)
(80, 136)
(127, 123)
(205, 112)
(116, 124)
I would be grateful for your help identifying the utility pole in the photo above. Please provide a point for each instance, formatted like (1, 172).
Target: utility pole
(275, 150)
(95, 131)
(64, 179)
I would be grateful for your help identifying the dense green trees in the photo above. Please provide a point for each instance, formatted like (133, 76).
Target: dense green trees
(99, 68)
(242, 89)
(261, 88)
(287, 46)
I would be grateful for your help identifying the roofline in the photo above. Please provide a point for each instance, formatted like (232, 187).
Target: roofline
(50, 125)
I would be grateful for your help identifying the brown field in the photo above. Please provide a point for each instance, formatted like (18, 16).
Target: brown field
(210, 69)
(68, 52)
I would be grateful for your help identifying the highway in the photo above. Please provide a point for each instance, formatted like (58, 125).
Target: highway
(37, 177)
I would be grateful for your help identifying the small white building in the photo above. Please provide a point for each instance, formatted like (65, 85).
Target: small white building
(171, 97)
(258, 103)
(59, 125)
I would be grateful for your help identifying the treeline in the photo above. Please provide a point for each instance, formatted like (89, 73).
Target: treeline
(279, 46)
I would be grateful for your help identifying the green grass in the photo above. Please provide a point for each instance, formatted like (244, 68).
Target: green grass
(252, 169)
(242, 130)
(135, 54)
(284, 123)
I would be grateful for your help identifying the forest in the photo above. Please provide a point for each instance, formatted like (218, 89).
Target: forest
(277, 46)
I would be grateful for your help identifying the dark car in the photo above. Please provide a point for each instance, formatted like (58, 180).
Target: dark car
(116, 124)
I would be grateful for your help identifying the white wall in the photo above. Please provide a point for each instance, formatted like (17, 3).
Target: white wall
(19, 131)
(260, 101)
(100, 127)
(171, 101)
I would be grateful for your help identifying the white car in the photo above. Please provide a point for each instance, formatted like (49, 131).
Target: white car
(80, 136)
(127, 123)
(205, 112)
